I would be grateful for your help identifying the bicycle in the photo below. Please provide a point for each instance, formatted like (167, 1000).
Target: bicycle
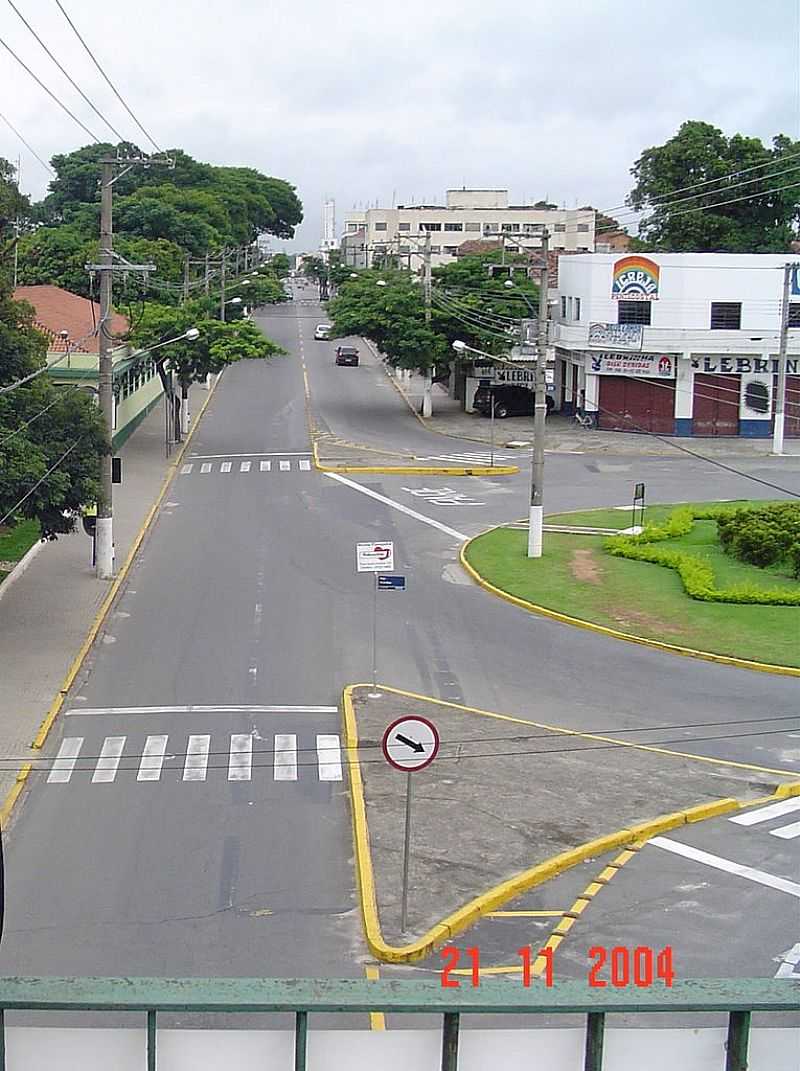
(584, 420)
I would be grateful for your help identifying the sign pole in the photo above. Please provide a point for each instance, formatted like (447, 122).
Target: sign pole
(406, 853)
(491, 424)
(374, 691)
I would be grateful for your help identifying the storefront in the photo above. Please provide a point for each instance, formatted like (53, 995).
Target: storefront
(633, 391)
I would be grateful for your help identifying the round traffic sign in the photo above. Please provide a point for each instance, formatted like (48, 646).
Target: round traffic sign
(410, 743)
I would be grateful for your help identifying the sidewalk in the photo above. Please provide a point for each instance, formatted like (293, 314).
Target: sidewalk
(46, 614)
(563, 436)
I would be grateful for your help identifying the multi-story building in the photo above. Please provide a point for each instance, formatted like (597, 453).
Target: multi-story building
(466, 215)
(676, 343)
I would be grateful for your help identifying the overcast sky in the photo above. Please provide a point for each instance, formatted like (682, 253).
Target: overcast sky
(369, 101)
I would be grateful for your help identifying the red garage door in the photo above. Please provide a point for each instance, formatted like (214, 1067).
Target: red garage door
(791, 424)
(716, 405)
(636, 405)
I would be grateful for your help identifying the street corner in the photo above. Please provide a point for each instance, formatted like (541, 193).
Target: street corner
(505, 805)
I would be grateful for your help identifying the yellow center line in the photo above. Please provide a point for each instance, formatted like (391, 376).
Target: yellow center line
(377, 1020)
(523, 914)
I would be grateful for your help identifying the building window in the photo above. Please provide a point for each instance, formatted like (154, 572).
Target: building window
(509, 228)
(533, 228)
(794, 314)
(352, 226)
(404, 226)
(490, 228)
(454, 226)
(560, 228)
(583, 226)
(380, 226)
(405, 248)
(577, 308)
(451, 250)
(563, 307)
(726, 315)
(430, 226)
(472, 227)
(436, 249)
(633, 312)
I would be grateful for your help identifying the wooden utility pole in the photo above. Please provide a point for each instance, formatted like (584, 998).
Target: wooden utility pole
(536, 512)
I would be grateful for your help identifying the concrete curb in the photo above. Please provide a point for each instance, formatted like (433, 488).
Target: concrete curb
(21, 566)
(459, 920)
(116, 584)
(604, 630)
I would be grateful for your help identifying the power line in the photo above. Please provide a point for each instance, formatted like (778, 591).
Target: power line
(66, 73)
(40, 481)
(49, 92)
(31, 150)
(45, 368)
(116, 92)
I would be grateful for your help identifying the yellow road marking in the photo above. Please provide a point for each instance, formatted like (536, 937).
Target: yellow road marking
(523, 914)
(377, 1020)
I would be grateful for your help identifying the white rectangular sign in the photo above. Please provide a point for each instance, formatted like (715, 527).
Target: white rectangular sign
(377, 557)
(616, 336)
(650, 365)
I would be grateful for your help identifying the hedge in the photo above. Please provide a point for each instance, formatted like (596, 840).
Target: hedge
(696, 575)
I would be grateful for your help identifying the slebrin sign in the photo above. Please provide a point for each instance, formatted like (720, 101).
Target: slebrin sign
(635, 279)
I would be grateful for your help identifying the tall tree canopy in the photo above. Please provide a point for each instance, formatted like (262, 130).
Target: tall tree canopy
(683, 185)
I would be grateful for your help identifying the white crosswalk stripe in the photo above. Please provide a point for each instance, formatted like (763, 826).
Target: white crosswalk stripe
(240, 763)
(196, 764)
(305, 465)
(285, 466)
(205, 467)
(285, 761)
(769, 814)
(65, 760)
(186, 470)
(108, 763)
(225, 466)
(265, 466)
(472, 458)
(152, 758)
(244, 467)
(196, 756)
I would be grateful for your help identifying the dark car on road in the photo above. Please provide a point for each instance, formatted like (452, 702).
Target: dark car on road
(508, 401)
(346, 355)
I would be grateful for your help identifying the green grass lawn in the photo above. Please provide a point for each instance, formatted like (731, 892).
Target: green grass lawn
(16, 542)
(576, 576)
(619, 518)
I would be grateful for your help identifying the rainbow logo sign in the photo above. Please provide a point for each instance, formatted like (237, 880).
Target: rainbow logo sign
(635, 279)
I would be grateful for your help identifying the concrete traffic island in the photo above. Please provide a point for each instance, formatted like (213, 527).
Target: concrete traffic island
(507, 804)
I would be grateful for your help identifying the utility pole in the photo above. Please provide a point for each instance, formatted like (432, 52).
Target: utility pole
(17, 223)
(207, 277)
(536, 514)
(427, 401)
(186, 280)
(780, 398)
(222, 287)
(104, 534)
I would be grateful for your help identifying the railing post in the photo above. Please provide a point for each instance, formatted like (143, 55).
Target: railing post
(450, 1041)
(2, 1040)
(300, 1040)
(151, 1041)
(595, 1028)
(738, 1041)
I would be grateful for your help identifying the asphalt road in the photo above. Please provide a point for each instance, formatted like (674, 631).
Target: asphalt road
(228, 851)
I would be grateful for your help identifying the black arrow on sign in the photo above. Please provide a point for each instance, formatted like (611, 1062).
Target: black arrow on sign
(409, 743)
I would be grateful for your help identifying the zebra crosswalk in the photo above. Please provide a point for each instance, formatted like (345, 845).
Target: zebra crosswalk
(478, 457)
(244, 466)
(769, 814)
(194, 758)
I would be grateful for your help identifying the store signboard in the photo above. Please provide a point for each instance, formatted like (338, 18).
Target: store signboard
(649, 365)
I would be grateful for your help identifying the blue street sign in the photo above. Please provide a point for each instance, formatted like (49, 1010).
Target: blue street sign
(391, 583)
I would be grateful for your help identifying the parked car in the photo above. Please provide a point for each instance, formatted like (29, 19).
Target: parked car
(508, 401)
(346, 355)
(322, 332)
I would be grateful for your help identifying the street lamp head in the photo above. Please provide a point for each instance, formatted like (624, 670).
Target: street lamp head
(192, 334)
(234, 301)
(353, 275)
(508, 284)
(381, 282)
(459, 346)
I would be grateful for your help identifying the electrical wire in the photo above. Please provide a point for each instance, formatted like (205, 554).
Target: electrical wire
(114, 89)
(31, 150)
(46, 368)
(49, 92)
(66, 73)
(39, 482)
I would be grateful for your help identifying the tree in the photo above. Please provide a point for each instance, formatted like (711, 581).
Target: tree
(13, 204)
(393, 316)
(279, 263)
(684, 184)
(51, 438)
(218, 345)
(314, 268)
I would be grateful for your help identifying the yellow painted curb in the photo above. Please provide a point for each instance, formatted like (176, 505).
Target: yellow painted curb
(604, 630)
(74, 669)
(465, 916)
(13, 795)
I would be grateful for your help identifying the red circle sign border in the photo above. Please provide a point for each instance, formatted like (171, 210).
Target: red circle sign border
(399, 721)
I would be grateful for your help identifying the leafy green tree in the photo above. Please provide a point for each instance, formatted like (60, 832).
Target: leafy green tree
(683, 185)
(13, 204)
(57, 255)
(51, 438)
(314, 268)
(393, 316)
(279, 263)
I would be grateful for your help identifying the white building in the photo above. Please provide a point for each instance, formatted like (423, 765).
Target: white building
(328, 241)
(676, 343)
(466, 215)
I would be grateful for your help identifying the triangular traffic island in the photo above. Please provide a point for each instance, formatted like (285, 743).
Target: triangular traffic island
(507, 804)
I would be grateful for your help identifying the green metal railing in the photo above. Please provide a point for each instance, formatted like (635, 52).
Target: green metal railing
(738, 998)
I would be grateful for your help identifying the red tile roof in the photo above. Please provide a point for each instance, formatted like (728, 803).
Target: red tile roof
(60, 310)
